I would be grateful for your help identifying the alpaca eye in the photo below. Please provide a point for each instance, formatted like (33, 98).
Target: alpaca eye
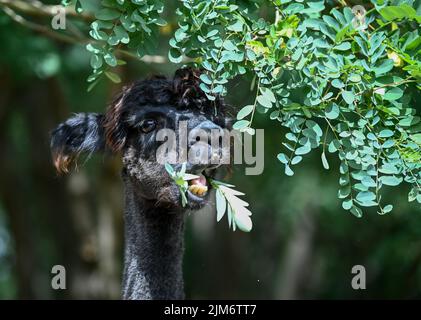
(147, 125)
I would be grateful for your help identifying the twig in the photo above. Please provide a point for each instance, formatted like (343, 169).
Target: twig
(79, 40)
(38, 28)
(37, 8)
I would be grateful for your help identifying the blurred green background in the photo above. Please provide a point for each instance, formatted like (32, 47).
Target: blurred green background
(303, 244)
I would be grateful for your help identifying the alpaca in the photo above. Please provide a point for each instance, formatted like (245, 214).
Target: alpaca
(154, 217)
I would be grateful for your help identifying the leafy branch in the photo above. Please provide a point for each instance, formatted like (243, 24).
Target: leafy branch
(316, 71)
(227, 200)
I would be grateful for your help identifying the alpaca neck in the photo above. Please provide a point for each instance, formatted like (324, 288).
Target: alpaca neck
(153, 249)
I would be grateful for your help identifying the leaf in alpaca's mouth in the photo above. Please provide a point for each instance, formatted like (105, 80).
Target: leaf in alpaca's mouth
(227, 200)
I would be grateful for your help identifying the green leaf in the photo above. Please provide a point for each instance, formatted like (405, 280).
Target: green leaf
(393, 94)
(93, 84)
(96, 61)
(264, 101)
(175, 56)
(412, 195)
(230, 216)
(315, 127)
(398, 12)
(356, 211)
(387, 208)
(341, 34)
(324, 161)
(183, 170)
(343, 167)
(78, 7)
(381, 67)
(121, 34)
(268, 94)
(221, 205)
(245, 111)
(188, 176)
(303, 149)
(205, 78)
(337, 83)
(183, 199)
(409, 121)
(236, 27)
(416, 138)
(283, 158)
(343, 46)
(239, 125)
(347, 204)
(355, 78)
(332, 111)
(344, 192)
(390, 180)
(365, 196)
(296, 160)
(348, 96)
(169, 169)
(291, 137)
(110, 59)
(114, 77)
(386, 133)
(107, 14)
(288, 171)
(220, 183)
(334, 146)
(243, 221)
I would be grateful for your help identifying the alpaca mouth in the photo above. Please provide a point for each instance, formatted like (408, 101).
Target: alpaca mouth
(198, 187)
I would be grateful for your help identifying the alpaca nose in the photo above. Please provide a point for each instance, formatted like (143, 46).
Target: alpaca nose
(207, 126)
(204, 132)
(201, 139)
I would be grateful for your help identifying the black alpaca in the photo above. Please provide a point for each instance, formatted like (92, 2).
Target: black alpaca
(154, 218)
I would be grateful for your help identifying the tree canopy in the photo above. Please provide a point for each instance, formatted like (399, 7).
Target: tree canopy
(342, 78)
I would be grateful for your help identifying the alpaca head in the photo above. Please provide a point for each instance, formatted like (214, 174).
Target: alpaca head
(137, 125)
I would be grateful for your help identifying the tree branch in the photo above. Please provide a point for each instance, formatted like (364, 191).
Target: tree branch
(37, 27)
(37, 8)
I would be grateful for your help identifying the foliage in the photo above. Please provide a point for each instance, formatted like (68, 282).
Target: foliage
(226, 199)
(341, 82)
(180, 178)
(121, 22)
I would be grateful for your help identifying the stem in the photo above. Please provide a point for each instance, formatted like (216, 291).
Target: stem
(37, 8)
(277, 15)
(377, 182)
(295, 145)
(386, 24)
(346, 161)
(77, 40)
(255, 103)
(324, 140)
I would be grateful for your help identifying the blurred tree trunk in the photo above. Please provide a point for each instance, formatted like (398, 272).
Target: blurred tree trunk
(297, 268)
(13, 199)
(56, 220)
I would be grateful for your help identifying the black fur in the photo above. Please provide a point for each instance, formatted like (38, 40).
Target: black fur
(154, 220)
(93, 132)
(84, 132)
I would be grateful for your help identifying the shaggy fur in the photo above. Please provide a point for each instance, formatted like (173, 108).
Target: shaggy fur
(154, 219)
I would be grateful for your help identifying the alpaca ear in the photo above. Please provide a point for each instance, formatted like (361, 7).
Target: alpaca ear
(186, 87)
(82, 133)
(115, 128)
